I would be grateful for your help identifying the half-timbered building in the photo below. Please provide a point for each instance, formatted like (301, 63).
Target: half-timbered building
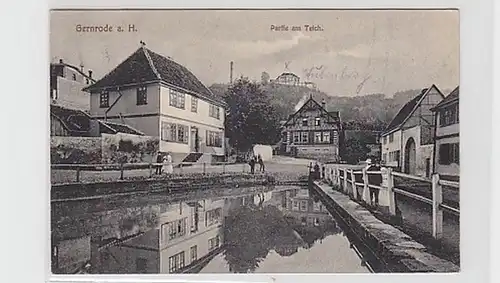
(313, 132)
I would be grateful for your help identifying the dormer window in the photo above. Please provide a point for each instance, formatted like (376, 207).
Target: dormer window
(104, 99)
(142, 95)
(304, 122)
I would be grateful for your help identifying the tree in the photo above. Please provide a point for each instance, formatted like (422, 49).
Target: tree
(355, 151)
(251, 116)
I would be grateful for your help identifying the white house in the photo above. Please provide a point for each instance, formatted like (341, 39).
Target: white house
(188, 235)
(447, 137)
(162, 98)
(408, 141)
(66, 83)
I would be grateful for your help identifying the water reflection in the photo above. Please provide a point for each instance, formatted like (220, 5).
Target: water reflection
(273, 229)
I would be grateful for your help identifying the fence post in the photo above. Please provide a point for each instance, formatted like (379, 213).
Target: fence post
(437, 213)
(223, 168)
(390, 191)
(151, 169)
(346, 191)
(78, 174)
(180, 168)
(353, 185)
(204, 167)
(337, 176)
(121, 171)
(366, 188)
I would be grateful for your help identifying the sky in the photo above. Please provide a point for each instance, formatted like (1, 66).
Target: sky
(354, 52)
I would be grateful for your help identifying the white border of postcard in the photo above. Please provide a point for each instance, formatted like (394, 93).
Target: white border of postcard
(25, 206)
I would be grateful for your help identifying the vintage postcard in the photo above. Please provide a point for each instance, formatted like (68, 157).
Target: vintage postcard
(254, 141)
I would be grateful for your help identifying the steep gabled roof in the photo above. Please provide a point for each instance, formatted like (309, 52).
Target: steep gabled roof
(450, 98)
(75, 121)
(145, 66)
(333, 114)
(407, 110)
(121, 128)
(64, 64)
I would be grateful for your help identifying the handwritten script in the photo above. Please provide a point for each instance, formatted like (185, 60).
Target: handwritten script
(322, 73)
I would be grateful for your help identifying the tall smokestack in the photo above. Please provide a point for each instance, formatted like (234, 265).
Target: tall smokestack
(231, 72)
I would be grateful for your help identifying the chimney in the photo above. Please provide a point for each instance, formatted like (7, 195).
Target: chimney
(81, 67)
(90, 73)
(323, 104)
(231, 72)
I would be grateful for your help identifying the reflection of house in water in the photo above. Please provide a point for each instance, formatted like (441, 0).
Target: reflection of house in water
(188, 235)
(289, 244)
(299, 205)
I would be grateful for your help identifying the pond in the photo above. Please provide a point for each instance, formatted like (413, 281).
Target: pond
(242, 230)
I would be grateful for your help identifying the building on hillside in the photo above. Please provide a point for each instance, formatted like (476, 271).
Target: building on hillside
(408, 141)
(447, 137)
(292, 79)
(66, 84)
(188, 235)
(313, 132)
(162, 98)
(77, 123)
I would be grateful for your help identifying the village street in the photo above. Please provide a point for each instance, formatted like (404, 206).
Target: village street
(277, 164)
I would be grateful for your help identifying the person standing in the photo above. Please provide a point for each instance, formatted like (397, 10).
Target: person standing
(374, 179)
(261, 163)
(159, 159)
(252, 164)
(167, 164)
(316, 171)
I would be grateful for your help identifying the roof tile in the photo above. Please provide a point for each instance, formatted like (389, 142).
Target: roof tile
(405, 111)
(138, 68)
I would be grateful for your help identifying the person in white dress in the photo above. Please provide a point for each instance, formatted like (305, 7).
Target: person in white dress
(167, 164)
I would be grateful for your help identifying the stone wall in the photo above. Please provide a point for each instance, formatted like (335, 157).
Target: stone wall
(128, 148)
(75, 150)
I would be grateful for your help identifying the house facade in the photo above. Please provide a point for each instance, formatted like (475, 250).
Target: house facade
(313, 132)
(408, 141)
(66, 84)
(447, 137)
(186, 237)
(162, 98)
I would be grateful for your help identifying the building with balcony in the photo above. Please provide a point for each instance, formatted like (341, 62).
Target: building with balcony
(162, 98)
(313, 132)
(447, 137)
(408, 141)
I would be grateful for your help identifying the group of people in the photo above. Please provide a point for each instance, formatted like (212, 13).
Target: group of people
(254, 161)
(167, 164)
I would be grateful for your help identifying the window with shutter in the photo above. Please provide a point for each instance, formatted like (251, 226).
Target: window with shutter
(186, 134)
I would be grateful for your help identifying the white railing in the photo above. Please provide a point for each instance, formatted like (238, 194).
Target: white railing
(348, 184)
